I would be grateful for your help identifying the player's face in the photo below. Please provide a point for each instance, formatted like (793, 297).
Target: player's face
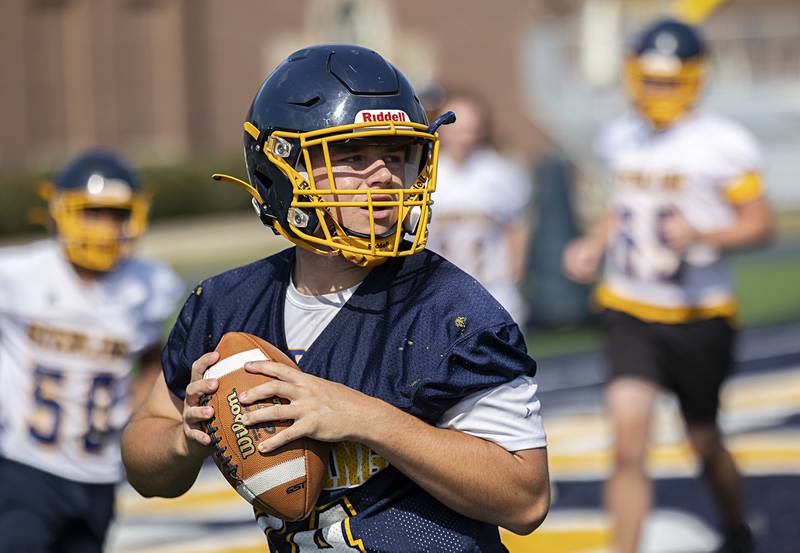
(107, 216)
(660, 88)
(363, 167)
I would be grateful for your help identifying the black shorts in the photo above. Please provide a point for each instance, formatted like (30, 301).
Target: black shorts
(43, 513)
(690, 359)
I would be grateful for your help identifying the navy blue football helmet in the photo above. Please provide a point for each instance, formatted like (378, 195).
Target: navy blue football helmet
(666, 70)
(326, 96)
(97, 180)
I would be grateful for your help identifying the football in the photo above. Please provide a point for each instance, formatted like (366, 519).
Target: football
(284, 483)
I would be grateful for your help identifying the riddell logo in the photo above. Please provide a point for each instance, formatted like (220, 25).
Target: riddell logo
(380, 115)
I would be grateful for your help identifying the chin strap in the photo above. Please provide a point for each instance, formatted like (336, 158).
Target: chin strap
(341, 236)
(360, 259)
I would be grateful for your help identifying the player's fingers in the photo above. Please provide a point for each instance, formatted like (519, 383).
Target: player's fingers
(572, 269)
(202, 364)
(198, 436)
(297, 430)
(574, 257)
(568, 255)
(195, 415)
(576, 267)
(195, 390)
(273, 369)
(277, 412)
(670, 234)
(267, 390)
(583, 275)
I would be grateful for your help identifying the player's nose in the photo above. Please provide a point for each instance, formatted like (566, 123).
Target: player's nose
(379, 175)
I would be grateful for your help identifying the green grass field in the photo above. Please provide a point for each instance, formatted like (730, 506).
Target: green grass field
(769, 288)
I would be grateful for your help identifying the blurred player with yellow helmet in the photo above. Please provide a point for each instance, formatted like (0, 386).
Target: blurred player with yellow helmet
(665, 72)
(686, 189)
(77, 313)
(99, 210)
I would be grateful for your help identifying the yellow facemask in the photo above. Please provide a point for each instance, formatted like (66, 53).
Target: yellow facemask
(97, 243)
(664, 88)
(329, 237)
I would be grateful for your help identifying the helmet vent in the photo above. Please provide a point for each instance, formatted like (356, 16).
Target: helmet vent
(363, 71)
(308, 103)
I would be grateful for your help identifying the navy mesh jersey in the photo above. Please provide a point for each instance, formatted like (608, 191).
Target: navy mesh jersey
(418, 333)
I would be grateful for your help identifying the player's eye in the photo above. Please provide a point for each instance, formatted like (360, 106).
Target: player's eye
(106, 213)
(350, 158)
(394, 157)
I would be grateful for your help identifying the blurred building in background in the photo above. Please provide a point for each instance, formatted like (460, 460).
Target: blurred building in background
(164, 80)
(169, 80)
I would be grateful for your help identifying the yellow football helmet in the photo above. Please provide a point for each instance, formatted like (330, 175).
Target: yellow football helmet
(666, 71)
(317, 101)
(98, 209)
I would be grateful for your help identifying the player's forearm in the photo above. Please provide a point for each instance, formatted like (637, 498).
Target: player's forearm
(148, 373)
(734, 238)
(474, 477)
(742, 235)
(156, 460)
(143, 383)
(753, 226)
(517, 239)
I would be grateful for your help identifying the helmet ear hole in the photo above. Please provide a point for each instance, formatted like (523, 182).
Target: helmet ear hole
(263, 181)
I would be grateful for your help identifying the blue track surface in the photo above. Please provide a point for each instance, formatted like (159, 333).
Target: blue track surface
(574, 384)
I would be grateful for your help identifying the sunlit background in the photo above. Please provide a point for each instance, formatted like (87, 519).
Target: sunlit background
(167, 84)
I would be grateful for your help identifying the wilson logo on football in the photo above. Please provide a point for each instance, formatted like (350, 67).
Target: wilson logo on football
(245, 442)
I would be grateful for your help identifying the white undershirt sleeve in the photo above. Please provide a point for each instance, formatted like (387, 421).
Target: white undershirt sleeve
(508, 415)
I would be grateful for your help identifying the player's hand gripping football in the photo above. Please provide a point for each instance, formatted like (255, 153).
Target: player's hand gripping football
(196, 415)
(321, 409)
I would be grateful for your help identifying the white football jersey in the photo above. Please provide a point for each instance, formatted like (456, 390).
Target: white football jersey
(700, 167)
(475, 204)
(67, 349)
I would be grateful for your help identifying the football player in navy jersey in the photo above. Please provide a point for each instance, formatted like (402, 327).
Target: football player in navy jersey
(416, 374)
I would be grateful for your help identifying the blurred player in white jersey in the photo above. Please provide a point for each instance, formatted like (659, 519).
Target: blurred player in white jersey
(480, 217)
(686, 190)
(76, 314)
